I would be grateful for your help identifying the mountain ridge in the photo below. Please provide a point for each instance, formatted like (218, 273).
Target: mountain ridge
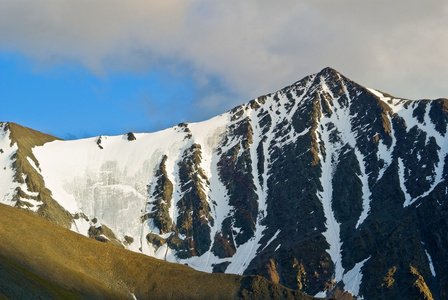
(311, 187)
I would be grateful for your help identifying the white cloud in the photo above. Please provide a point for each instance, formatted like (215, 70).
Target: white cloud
(253, 47)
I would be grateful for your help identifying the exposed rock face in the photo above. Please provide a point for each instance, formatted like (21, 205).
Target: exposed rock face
(162, 193)
(194, 220)
(131, 136)
(235, 171)
(104, 234)
(30, 191)
(324, 186)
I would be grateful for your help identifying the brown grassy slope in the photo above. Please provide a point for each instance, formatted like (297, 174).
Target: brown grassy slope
(55, 261)
(19, 283)
(26, 139)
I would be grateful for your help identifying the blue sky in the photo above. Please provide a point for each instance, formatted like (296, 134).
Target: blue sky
(70, 101)
(83, 68)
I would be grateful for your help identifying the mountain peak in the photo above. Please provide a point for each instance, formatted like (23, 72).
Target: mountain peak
(328, 71)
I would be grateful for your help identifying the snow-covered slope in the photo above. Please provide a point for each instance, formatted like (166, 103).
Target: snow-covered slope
(7, 184)
(109, 178)
(322, 186)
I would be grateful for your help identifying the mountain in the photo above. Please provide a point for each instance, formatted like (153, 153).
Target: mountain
(325, 186)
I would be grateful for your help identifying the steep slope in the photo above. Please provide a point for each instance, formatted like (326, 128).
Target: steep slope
(32, 267)
(338, 192)
(22, 185)
(322, 186)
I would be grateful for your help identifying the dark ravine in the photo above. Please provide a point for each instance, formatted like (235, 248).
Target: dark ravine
(336, 187)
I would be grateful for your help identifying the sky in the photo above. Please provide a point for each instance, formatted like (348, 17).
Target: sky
(83, 68)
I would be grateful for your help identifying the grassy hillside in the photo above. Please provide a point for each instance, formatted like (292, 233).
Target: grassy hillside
(41, 259)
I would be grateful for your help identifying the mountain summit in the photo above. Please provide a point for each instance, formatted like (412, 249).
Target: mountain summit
(324, 186)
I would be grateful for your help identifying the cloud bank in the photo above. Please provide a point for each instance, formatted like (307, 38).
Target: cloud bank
(238, 50)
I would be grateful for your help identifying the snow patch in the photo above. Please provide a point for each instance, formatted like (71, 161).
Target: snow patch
(332, 234)
(270, 241)
(80, 226)
(33, 205)
(431, 265)
(322, 294)
(408, 199)
(352, 279)
(366, 193)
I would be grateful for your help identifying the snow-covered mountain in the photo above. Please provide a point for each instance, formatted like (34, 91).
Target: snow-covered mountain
(324, 186)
